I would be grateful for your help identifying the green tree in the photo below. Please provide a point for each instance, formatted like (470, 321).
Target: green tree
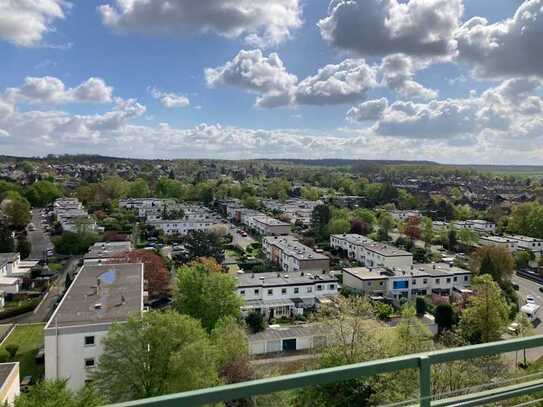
(452, 240)
(527, 219)
(523, 258)
(204, 244)
(420, 305)
(278, 189)
(72, 243)
(153, 354)
(320, 217)
(7, 244)
(385, 226)
(17, 210)
(524, 328)
(169, 188)
(339, 226)
(496, 261)
(24, 247)
(311, 194)
(444, 317)
(42, 193)
(427, 231)
(206, 295)
(468, 237)
(139, 188)
(54, 393)
(486, 315)
(251, 202)
(255, 321)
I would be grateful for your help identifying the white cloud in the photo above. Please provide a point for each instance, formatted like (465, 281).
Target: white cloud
(254, 72)
(382, 27)
(48, 89)
(261, 22)
(345, 82)
(368, 111)
(511, 47)
(169, 99)
(398, 71)
(24, 22)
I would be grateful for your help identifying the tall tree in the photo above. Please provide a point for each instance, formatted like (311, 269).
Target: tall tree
(320, 217)
(42, 193)
(497, 261)
(412, 229)
(54, 393)
(16, 209)
(206, 295)
(153, 354)
(24, 247)
(204, 244)
(7, 244)
(486, 315)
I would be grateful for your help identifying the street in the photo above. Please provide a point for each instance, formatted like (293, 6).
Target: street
(240, 241)
(38, 238)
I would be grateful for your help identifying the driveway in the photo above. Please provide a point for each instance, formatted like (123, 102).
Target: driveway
(239, 240)
(38, 238)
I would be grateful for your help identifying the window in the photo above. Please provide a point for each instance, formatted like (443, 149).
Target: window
(309, 289)
(381, 283)
(283, 291)
(257, 291)
(369, 283)
(425, 281)
(89, 362)
(465, 278)
(455, 279)
(332, 287)
(270, 291)
(437, 280)
(242, 292)
(89, 340)
(319, 287)
(296, 290)
(414, 282)
(448, 280)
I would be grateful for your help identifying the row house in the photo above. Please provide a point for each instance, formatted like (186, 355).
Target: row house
(371, 253)
(13, 270)
(182, 227)
(284, 295)
(532, 244)
(102, 252)
(268, 226)
(477, 225)
(72, 216)
(293, 256)
(431, 279)
(404, 215)
(506, 242)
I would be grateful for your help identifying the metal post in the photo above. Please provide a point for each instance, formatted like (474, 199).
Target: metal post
(425, 378)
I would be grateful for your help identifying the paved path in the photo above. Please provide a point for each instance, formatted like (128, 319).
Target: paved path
(39, 239)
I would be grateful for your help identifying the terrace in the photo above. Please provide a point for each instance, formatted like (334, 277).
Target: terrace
(422, 362)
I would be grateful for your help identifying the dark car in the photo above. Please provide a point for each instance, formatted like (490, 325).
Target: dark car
(516, 287)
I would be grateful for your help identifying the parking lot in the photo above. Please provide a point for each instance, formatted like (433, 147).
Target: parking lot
(38, 238)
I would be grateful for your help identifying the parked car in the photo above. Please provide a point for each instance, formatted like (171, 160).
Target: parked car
(530, 299)
(516, 287)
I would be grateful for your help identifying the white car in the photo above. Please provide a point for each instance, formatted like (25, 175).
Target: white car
(530, 299)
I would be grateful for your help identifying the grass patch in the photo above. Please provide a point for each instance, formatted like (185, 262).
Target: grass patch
(29, 338)
(56, 267)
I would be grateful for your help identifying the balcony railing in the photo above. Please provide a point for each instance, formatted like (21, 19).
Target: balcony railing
(421, 361)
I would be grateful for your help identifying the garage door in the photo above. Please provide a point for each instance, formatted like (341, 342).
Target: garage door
(289, 344)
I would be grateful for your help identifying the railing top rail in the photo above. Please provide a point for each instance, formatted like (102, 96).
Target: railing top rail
(334, 374)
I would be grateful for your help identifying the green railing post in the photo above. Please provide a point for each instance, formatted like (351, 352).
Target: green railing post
(425, 378)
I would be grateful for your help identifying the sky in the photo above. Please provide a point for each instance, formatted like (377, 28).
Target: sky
(453, 81)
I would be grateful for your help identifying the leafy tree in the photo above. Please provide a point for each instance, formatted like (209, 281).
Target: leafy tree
(139, 188)
(42, 193)
(383, 310)
(524, 328)
(444, 317)
(365, 215)
(360, 227)
(385, 226)
(523, 258)
(255, 321)
(452, 240)
(420, 255)
(496, 261)
(72, 243)
(339, 226)
(468, 237)
(311, 194)
(17, 210)
(206, 295)
(278, 189)
(170, 188)
(412, 229)
(320, 217)
(420, 305)
(54, 393)
(154, 269)
(24, 247)
(153, 354)
(527, 219)
(204, 244)
(427, 232)
(12, 349)
(251, 202)
(486, 315)
(7, 244)
(232, 351)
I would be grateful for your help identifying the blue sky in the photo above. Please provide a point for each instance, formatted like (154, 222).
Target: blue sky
(446, 80)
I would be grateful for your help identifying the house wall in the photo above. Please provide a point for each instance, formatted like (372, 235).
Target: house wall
(11, 387)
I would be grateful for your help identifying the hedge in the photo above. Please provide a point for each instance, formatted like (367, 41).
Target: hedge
(27, 307)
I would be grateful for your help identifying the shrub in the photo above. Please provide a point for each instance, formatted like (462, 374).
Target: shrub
(12, 350)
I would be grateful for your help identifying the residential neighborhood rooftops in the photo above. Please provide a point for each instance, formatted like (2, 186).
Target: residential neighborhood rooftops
(293, 247)
(6, 258)
(268, 220)
(386, 250)
(498, 239)
(353, 238)
(104, 250)
(281, 279)
(365, 273)
(285, 332)
(101, 294)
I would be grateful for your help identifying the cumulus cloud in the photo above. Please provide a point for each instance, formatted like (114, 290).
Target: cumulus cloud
(261, 22)
(254, 72)
(345, 82)
(48, 89)
(24, 23)
(368, 111)
(382, 27)
(169, 99)
(511, 47)
(398, 72)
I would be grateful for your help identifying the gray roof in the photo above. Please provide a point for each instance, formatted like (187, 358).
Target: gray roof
(281, 279)
(6, 258)
(5, 370)
(285, 332)
(292, 247)
(97, 293)
(364, 273)
(106, 250)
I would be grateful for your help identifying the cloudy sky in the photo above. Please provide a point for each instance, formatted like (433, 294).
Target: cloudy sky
(455, 81)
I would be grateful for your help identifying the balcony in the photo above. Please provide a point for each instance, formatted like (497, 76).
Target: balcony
(421, 361)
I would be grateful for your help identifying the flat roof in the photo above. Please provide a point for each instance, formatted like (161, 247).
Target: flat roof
(101, 294)
(522, 238)
(292, 247)
(105, 250)
(282, 279)
(285, 332)
(386, 250)
(353, 238)
(269, 221)
(498, 239)
(364, 273)
(5, 371)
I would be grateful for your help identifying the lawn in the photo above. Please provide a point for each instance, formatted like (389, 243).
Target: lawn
(29, 338)
(56, 267)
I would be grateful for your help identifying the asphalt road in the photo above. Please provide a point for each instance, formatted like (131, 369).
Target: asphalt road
(239, 240)
(39, 239)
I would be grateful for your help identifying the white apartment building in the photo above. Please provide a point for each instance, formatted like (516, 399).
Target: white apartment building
(528, 243)
(404, 215)
(439, 225)
(477, 225)
(99, 296)
(284, 294)
(371, 253)
(102, 252)
(292, 256)
(420, 279)
(12, 270)
(72, 216)
(182, 227)
(268, 226)
(508, 243)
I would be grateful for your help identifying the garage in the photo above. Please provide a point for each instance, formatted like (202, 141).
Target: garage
(289, 344)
